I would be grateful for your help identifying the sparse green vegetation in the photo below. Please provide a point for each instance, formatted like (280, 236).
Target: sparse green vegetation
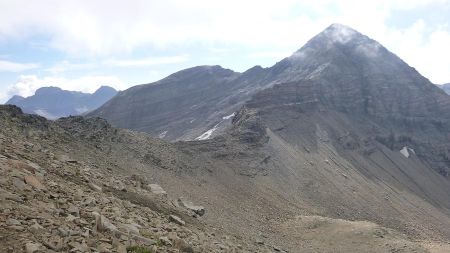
(146, 233)
(138, 249)
(159, 243)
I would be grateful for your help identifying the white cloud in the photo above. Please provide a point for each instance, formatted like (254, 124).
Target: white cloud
(269, 54)
(147, 61)
(26, 85)
(110, 27)
(9, 66)
(65, 66)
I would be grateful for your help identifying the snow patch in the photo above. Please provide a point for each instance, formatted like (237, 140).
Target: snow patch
(206, 135)
(81, 110)
(369, 49)
(318, 71)
(405, 151)
(162, 134)
(229, 116)
(340, 33)
(45, 114)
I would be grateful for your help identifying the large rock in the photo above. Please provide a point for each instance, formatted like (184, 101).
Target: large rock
(200, 210)
(33, 181)
(32, 247)
(95, 187)
(177, 220)
(130, 228)
(102, 223)
(156, 189)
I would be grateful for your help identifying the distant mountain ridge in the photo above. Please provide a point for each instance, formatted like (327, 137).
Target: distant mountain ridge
(195, 102)
(54, 102)
(445, 87)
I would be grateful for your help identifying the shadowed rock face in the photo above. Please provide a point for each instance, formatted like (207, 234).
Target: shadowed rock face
(353, 73)
(53, 102)
(339, 71)
(346, 70)
(185, 105)
(362, 94)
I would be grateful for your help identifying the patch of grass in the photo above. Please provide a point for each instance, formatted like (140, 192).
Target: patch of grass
(159, 243)
(146, 233)
(138, 249)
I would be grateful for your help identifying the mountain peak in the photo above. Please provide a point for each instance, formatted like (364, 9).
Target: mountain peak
(338, 38)
(341, 27)
(105, 90)
(47, 90)
(338, 34)
(14, 99)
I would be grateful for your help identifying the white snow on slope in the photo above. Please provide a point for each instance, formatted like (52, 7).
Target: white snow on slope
(81, 110)
(45, 114)
(340, 33)
(162, 134)
(405, 151)
(229, 116)
(206, 135)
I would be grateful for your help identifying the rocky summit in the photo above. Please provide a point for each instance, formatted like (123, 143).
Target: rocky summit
(340, 147)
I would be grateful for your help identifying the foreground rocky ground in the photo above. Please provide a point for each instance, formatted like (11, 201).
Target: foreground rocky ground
(53, 203)
(80, 185)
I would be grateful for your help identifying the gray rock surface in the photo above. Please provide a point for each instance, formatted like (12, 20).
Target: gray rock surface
(200, 210)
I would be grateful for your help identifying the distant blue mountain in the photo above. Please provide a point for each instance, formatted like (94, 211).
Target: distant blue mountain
(445, 87)
(53, 102)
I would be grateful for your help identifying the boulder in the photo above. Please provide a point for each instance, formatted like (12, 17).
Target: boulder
(12, 222)
(19, 184)
(33, 181)
(121, 248)
(73, 210)
(67, 159)
(36, 228)
(130, 228)
(32, 247)
(95, 187)
(156, 189)
(176, 219)
(102, 223)
(164, 240)
(200, 210)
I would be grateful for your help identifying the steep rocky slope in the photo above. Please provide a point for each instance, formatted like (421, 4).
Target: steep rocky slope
(339, 69)
(53, 102)
(81, 186)
(355, 73)
(184, 105)
(260, 191)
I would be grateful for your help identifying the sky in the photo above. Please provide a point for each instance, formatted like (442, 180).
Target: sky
(83, 44)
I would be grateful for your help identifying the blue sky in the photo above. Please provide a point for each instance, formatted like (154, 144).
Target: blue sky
(81, 44)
